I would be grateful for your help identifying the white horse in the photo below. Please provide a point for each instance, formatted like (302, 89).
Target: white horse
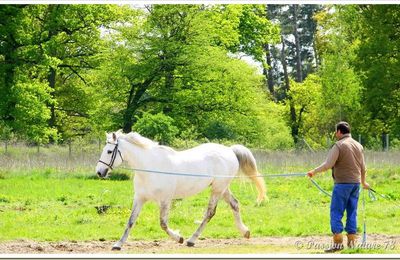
(207, 159)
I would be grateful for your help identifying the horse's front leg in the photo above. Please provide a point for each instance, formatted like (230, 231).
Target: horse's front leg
(164, 210)
(137, 206)
(212, 206)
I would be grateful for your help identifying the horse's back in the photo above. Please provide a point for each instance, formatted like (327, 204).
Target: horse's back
(213, 154)
(210, 160)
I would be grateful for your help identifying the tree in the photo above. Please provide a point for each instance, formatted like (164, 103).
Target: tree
(305, 97)
(82, 69)
(50, 45)
(9, 24)
(24, 96)
(296, 51)
(294, 55)
(378, 63)
(162, 64)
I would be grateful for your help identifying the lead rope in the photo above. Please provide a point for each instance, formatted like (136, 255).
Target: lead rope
(371, 195)
(364, 237)
(319, 187)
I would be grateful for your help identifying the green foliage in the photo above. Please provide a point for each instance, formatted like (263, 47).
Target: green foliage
(31, 112)
(225, 101)
(378, 63)
(306, 98)
(69, 71)
(172, 73)
(49, 47)
(218, 130)
(356, 44)
(6, 133)
(158, 127)
(256, 31)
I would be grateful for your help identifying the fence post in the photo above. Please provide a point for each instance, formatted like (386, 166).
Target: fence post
(387, 142)
(69, 148)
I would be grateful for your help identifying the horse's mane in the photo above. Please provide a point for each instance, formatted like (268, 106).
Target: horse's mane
(137, 139)
(141, 141)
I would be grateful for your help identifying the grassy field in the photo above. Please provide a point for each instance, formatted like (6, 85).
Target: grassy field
(57, 202)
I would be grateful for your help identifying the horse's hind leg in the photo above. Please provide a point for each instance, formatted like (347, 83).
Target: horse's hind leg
(212, 205)
(164, 210)
(137, 206)
(230, 199)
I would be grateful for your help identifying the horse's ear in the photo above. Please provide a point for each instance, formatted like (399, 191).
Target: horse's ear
(114, 136)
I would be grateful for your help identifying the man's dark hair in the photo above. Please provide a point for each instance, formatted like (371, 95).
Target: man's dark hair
(344, 127)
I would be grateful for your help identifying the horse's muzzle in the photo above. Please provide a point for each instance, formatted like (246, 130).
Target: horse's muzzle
(102, 174)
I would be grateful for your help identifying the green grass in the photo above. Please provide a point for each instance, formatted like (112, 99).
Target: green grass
(52, 205)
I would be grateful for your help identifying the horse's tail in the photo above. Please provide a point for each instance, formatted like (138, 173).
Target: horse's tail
(247, 164)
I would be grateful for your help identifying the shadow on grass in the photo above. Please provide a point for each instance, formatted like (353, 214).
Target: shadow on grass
(114, 176)
(102, 209)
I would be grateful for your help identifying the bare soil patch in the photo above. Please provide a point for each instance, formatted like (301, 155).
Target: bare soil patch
(292, 244)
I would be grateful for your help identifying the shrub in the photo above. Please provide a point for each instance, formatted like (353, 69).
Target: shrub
(158, 127)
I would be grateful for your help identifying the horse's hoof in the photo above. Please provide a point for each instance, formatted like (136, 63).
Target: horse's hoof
(247, 234)
(181, 240)
(190, 244)
(116, 248)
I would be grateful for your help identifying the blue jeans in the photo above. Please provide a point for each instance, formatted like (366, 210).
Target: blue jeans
(344, 197)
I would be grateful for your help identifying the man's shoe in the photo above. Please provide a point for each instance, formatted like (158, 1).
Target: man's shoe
(337, 244)
(351, 240)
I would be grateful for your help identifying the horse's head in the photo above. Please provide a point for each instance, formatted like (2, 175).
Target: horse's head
(110, 157)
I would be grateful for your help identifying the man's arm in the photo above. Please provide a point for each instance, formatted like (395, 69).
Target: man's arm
(363, 173)
(330, 161)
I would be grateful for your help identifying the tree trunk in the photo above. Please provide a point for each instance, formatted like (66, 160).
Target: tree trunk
(299, 73)
(294, 125)
(9, 75)
(268, 71)
(293, 118)
(316, 56)
(128, 121)
(133, 102)
(52, 85)
(169, 86)
(284, 65)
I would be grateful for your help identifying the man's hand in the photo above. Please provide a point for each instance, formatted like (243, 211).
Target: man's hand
(365, 185)
(310, 173)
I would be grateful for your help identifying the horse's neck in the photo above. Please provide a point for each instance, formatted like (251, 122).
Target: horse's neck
(139, 157)
(131, 153)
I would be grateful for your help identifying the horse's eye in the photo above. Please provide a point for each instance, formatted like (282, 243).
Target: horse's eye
(109, 151)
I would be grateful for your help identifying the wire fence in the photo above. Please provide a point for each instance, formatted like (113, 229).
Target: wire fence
(83, 157)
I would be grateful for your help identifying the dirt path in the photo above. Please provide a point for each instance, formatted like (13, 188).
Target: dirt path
(389, 244)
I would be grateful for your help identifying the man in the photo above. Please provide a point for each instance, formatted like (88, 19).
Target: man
(346, 159)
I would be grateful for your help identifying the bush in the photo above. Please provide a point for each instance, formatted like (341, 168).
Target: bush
(219, 130)
(158, 127)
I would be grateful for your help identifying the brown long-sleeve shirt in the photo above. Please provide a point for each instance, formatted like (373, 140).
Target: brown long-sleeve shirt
(346, 158)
